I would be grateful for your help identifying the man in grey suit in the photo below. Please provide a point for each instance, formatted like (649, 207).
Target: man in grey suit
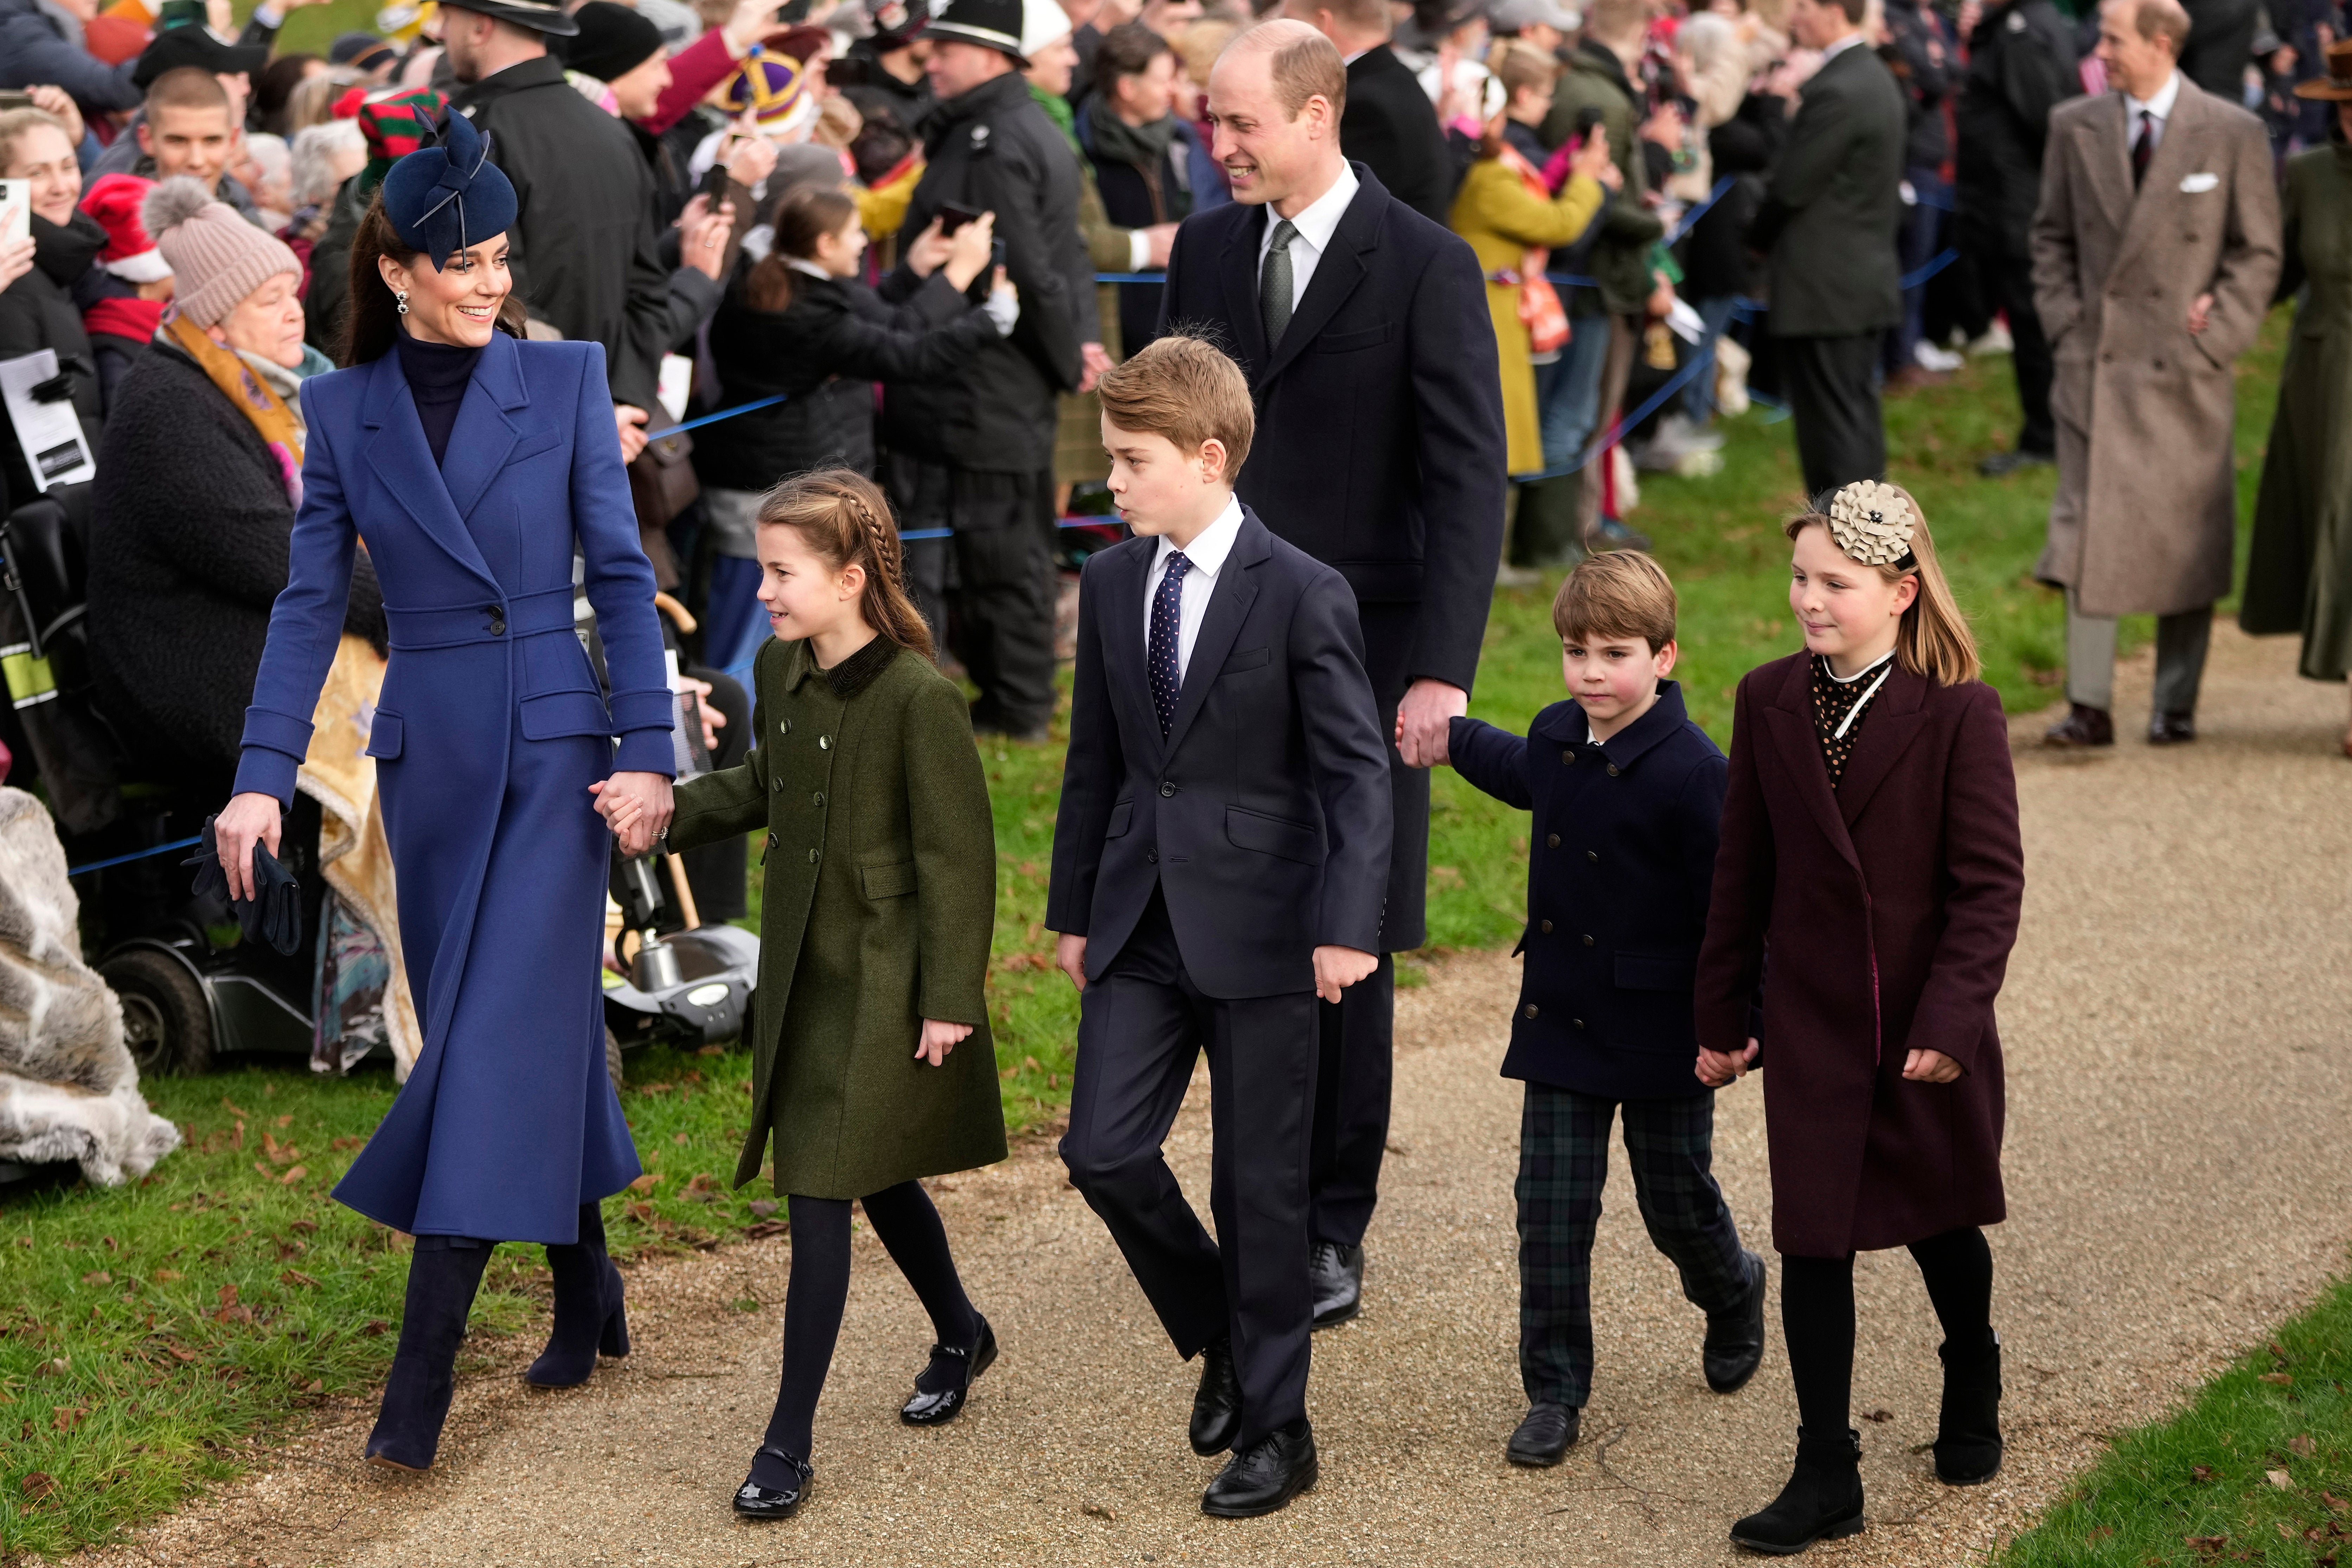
(1828, 224)
(2155, 250)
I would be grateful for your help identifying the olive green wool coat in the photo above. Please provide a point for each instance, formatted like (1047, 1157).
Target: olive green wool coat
(880, 902)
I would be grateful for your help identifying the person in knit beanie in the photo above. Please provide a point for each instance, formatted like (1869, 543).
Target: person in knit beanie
(221, 265)
(617, 47)
(125, 304)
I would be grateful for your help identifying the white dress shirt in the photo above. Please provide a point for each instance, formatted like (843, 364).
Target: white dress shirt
(2158, 109)
(1315, 226)
(1207, 553)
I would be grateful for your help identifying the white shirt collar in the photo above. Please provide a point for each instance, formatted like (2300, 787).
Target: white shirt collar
(2160, 105)
(1857, 675)
(1210, 547)
(1320, 221)
(809, 268)
(1835, 50)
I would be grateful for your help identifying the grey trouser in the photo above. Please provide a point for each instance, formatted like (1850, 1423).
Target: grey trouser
(2181, 640)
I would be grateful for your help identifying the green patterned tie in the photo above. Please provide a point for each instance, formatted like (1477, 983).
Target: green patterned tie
(1274, 282)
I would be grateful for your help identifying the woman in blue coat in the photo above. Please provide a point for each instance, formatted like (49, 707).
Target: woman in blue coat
(474, 464)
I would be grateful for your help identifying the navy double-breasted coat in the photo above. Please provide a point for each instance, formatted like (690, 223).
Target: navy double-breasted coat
(489, 730)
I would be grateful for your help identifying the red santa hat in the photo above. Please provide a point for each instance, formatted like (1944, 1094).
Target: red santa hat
(129, 255)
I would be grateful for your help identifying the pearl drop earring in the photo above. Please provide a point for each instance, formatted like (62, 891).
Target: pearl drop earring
(400, 298)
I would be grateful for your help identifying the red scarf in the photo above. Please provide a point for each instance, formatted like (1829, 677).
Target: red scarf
(128, 317)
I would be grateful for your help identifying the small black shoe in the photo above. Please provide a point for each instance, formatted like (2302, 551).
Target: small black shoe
(2001, 465)
(1265, 1477)
(937, 1409)
(1544, 1437)
(1823, 1501)
(1335, 1274)
(1969, 1445)
(753, 1500)
(2082, 726)
(1734, 1340)
(2171, 729)
(1217, 1407)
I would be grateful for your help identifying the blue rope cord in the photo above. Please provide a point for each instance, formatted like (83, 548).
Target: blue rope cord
(135, 855)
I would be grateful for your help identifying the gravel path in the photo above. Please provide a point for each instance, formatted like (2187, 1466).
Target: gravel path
(2178, 1087)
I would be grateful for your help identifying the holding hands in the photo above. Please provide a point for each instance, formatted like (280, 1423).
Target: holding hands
(637, 806)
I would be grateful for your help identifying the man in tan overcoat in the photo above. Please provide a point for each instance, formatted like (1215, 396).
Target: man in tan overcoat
(2155, 250)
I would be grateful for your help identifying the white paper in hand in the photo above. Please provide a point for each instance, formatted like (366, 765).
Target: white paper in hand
(676, 380)
(49, 433)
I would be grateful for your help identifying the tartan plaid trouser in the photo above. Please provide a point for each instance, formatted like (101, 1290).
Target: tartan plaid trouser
(1563, 1164)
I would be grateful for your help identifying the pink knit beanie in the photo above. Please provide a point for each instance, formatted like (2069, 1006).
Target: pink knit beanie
(216, 256)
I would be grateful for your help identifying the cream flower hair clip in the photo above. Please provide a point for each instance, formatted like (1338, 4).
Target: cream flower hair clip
(1872, 524)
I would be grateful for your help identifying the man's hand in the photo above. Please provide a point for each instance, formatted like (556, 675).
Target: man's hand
(1422, 719)
(1717, 1068)
(1070, 957)
(1162, 238)
(632, 423)
(938, 1039)
(702, 235)
(1664, 127)
(751, 21)
(59, 103)
(2200, 316)
(637, 806)
(1930, 1066)
(1095, 361)
(1337, 968)
(247, 819)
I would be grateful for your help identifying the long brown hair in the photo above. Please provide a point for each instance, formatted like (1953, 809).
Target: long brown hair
(1934, 639)
(372, 319)
(804, 217)
(845, 519)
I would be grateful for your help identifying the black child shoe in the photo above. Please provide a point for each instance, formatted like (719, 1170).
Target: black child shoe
(753, 1500)
(1263, 1478)
(1734, 1340)
(1217, 1407)
(1823, 1501)
(1545, 1435)
(1968, 1447)
(952, 1368)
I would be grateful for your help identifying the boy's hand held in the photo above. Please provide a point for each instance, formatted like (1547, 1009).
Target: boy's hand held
(1337, 968)
(1070, 956)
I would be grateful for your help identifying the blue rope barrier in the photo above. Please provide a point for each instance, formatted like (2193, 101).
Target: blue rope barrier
(715, 418)
(1913, 280)
(1113, 521)
(136, 854)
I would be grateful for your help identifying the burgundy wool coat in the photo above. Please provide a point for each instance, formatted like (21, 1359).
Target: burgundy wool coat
(1886, 909)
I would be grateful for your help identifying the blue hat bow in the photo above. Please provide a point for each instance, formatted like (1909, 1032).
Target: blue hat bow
(448, 195)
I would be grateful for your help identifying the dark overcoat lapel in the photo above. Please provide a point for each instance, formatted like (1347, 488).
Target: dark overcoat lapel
(1337, 275)
(1237, 271)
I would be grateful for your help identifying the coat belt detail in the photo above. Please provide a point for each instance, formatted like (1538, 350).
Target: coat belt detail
(523, 615)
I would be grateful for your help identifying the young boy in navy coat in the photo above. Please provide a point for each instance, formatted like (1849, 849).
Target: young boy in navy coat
(1626, 791)
(1220, 862)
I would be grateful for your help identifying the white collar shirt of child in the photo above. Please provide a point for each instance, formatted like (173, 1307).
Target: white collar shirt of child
(1207, 553)
(1316, 223)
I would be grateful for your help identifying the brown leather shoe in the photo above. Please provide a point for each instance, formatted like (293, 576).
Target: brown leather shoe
(2082, 726)
(2171, 729)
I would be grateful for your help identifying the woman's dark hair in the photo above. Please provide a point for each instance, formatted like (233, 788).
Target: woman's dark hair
(804, 217)
(372, 322)
(1127, 50)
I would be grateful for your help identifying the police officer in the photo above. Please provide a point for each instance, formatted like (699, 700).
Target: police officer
(975, 454)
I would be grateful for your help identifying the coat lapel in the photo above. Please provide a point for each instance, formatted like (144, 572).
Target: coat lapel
(1896, 716)
(397, 452)
(2176, 155)
(490, 433)
(1229, 606)
(1342, 267)
(1130, 680)
(1798, 747)
(1238, 267)
(2108, 160)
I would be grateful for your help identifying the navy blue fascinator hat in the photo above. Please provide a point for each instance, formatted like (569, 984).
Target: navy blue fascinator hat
(448, 195)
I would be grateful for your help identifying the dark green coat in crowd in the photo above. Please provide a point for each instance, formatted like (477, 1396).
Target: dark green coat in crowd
(2299, 577)
(880, 899)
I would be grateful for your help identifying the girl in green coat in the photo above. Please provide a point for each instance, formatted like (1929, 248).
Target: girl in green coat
(872, 1064)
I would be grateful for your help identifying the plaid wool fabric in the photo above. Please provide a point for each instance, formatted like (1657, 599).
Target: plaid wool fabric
(1563, 1164)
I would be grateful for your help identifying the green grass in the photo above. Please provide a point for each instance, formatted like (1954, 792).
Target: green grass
(2258, 1469)
(152, 1336)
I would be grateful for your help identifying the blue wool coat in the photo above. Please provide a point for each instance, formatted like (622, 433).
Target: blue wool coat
(490, 729)
(1620, 864)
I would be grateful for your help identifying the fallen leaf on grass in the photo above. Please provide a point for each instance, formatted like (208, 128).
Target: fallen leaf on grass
(2280, 1378)
(2209, 1544)
(639, 1210)
(2340, 1504)
(2302, 1446)
(653, 1089)
(37, 1484)
(2202, 1472)
(764, 1207)
(341, 1144)
(766, 1228)
(2280, 1480)
(646, 1182)
(286, 1120)
(180, 1352)
(702, 1182)
(98, 1277)
(306, 1227)
(67, 1416)
(294, 1175)
(296, 1277)
(233, 1108)
(165, 1277)
(374, 1326)
(681, 1138)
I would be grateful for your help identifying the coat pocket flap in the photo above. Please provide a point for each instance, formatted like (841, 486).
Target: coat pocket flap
(1348, 342)
(1248, 658)
(888, 881)
(537, 441)
(384, 736)
(1656, 972)
(1274, 836)
(1122, 816)
(553, 715)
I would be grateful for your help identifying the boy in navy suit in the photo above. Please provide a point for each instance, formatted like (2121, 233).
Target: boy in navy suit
(1626, 793)
(1219, 863)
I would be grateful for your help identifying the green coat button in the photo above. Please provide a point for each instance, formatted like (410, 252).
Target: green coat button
(811, 857)
(820, 797)
(824, 743)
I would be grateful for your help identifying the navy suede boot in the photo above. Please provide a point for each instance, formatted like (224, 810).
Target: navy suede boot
(589, 1317)
(444, 1272)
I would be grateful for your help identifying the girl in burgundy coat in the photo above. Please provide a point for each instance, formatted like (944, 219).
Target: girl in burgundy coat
(1870, 848)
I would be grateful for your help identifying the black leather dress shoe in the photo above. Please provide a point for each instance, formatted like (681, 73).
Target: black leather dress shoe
(1217, 1407)
(2082, 726)
(1336, 1276)
(2171, 729)
(1544, 1437)
(1265, 1477)
(1734, 1340)
(753, 1500)
(938, 1408)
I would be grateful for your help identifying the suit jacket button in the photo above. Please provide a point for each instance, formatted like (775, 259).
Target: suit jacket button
(1592, 855)
(1567, 757)
(1588, 940)
(1546, 927)
(1551, 840)
(1166, 790)
(1532, 1010)
(1151, 855)
(1578, 1022)
(1612, 770)
(783, 726)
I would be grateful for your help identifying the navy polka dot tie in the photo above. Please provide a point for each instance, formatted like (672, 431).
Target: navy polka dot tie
(1167, 621)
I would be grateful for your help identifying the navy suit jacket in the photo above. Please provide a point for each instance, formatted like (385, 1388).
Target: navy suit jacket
(1264, 813)
(1620, 863)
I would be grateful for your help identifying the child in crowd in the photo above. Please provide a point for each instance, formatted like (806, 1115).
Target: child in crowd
(1626, 791)
(797, 322)
(872, 1064)
(1870, 842)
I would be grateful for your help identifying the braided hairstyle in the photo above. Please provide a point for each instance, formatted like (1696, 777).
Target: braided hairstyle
(845, 519)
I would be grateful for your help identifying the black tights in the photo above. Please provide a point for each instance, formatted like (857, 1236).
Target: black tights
(819, 1292)
(1817, 1315)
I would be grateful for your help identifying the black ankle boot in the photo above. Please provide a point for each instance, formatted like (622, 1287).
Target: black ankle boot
(444, 1272)
(1968, 1434)
(1823, 1501)
(588, 1316)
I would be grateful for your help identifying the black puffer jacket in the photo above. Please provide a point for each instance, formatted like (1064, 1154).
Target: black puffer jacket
(824, 351)
(188, 549)
(37, 311)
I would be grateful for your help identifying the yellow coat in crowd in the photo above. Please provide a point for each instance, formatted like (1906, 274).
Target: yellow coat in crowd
(1501, 217)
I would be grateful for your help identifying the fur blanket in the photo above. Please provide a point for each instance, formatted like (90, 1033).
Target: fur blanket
(69, 1090)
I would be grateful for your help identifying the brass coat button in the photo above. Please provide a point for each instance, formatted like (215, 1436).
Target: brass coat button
(820, 797)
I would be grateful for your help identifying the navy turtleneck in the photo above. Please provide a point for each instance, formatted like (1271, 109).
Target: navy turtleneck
(438, 377)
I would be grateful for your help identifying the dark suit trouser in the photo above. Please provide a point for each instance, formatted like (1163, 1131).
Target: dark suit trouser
(1141, 1026)
(2007, 283)
(1832, 387)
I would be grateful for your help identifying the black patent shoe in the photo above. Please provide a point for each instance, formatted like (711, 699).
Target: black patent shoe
(753, 1500)
(1217, 1406)
(1823, 1501)
(1734, 1340)
(1334, 1276)
(1969, 1445)
(1265, 1477)
(938, 1408)
(1544, 1437)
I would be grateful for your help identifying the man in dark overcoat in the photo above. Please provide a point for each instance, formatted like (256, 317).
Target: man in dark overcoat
(1363, 330)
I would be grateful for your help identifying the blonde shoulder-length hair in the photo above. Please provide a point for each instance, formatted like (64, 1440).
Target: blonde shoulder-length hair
(1934, 639)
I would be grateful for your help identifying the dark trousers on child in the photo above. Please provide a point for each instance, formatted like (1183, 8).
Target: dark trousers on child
(1817, 1314)
(1563, 1164)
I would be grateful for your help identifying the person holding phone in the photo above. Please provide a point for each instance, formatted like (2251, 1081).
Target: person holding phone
(47, 247)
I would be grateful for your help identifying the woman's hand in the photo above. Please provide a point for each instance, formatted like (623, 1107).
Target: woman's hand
(637, 806)
(753, 157)
(1930, 1066)
(247, 819)
(1717, 1068)
(16, 260)
(713, 720)
(702, 235)
(59, 103)
(967, 251)
(938, 1039)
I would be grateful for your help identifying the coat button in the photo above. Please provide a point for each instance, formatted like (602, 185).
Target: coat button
(783, 726)
(1167, 790)
(1567, 758)
(820, 797)
(1151, 855)
(1592, 855)
(825, 742)
(1551, 840)
(1612, 770)
(1546, 927)
(1588, 940)
(1578, 1022)
(771, 841)
(1531, 1010)
(811, 857)
(497, 620)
